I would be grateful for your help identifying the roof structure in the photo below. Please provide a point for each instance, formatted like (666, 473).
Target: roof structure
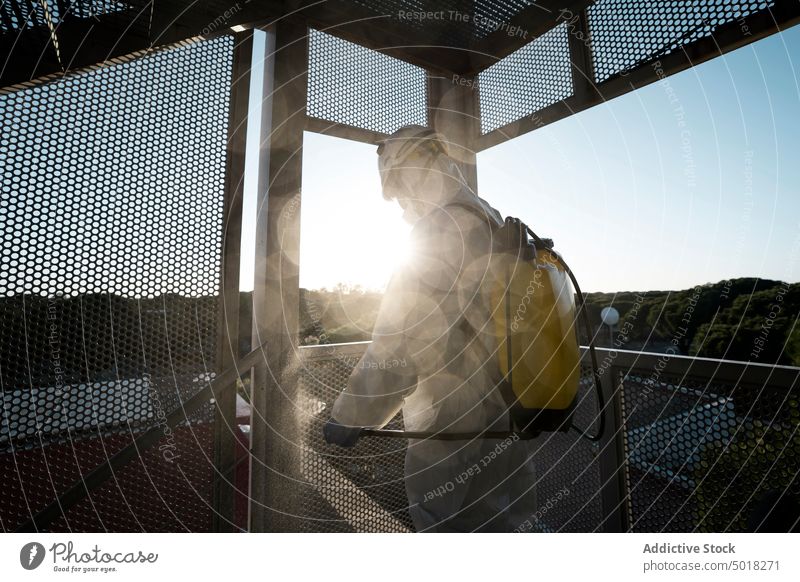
(550, 58)
(454, 35)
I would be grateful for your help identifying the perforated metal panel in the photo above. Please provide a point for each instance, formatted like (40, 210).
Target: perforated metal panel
(356, 86)
(530, 79)
(627, 32)
(16, 14)
(701, 455)
(490, 15)
(113, 184)
(359, 489)
(568, 466)
(362, 489)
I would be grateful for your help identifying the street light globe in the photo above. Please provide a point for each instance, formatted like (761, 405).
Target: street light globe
(610, 316)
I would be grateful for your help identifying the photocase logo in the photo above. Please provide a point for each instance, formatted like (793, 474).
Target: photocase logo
(31, 555)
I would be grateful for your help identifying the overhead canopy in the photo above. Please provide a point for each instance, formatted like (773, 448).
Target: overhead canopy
(451, 35)
(547, 58)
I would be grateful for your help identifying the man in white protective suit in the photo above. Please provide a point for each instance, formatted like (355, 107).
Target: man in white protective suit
(435, 317)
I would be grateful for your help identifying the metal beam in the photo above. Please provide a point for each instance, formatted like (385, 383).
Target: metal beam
(715, 371)
(274, 426)
(611, 454)
(343, 131)
(228, 319)
(580, 54)
(452, 111)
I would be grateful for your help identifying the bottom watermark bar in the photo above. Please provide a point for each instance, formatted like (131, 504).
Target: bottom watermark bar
(332, 557)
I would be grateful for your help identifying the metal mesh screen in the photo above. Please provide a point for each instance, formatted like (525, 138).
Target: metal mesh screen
(701, 455)
(111, 249)
(568, 493)
(362, 489)
(356, 86)
(359, 489)
(625, 33)
(490, 16)
(16, 14)
(537, 75)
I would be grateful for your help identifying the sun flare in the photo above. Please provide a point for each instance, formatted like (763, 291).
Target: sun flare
(349, 233)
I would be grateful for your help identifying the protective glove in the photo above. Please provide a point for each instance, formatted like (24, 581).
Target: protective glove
(339, 434)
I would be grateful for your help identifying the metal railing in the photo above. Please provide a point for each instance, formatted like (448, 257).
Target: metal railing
(692, 444)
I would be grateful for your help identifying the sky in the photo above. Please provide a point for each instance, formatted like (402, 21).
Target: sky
(690, 180)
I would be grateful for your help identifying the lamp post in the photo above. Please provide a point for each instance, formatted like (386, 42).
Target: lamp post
(610, 317)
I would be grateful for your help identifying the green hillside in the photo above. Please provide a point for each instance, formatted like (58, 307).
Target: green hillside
(739, 319)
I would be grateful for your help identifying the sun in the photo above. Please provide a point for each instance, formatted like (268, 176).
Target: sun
(349, 234)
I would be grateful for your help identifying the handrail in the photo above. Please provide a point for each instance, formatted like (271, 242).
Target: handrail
(723, 371)
(732, 371)
(80, 489)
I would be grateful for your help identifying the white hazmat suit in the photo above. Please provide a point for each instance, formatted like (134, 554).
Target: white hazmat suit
(436, 317)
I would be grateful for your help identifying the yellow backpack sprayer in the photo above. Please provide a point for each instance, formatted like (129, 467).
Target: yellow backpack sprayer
(535, 321)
